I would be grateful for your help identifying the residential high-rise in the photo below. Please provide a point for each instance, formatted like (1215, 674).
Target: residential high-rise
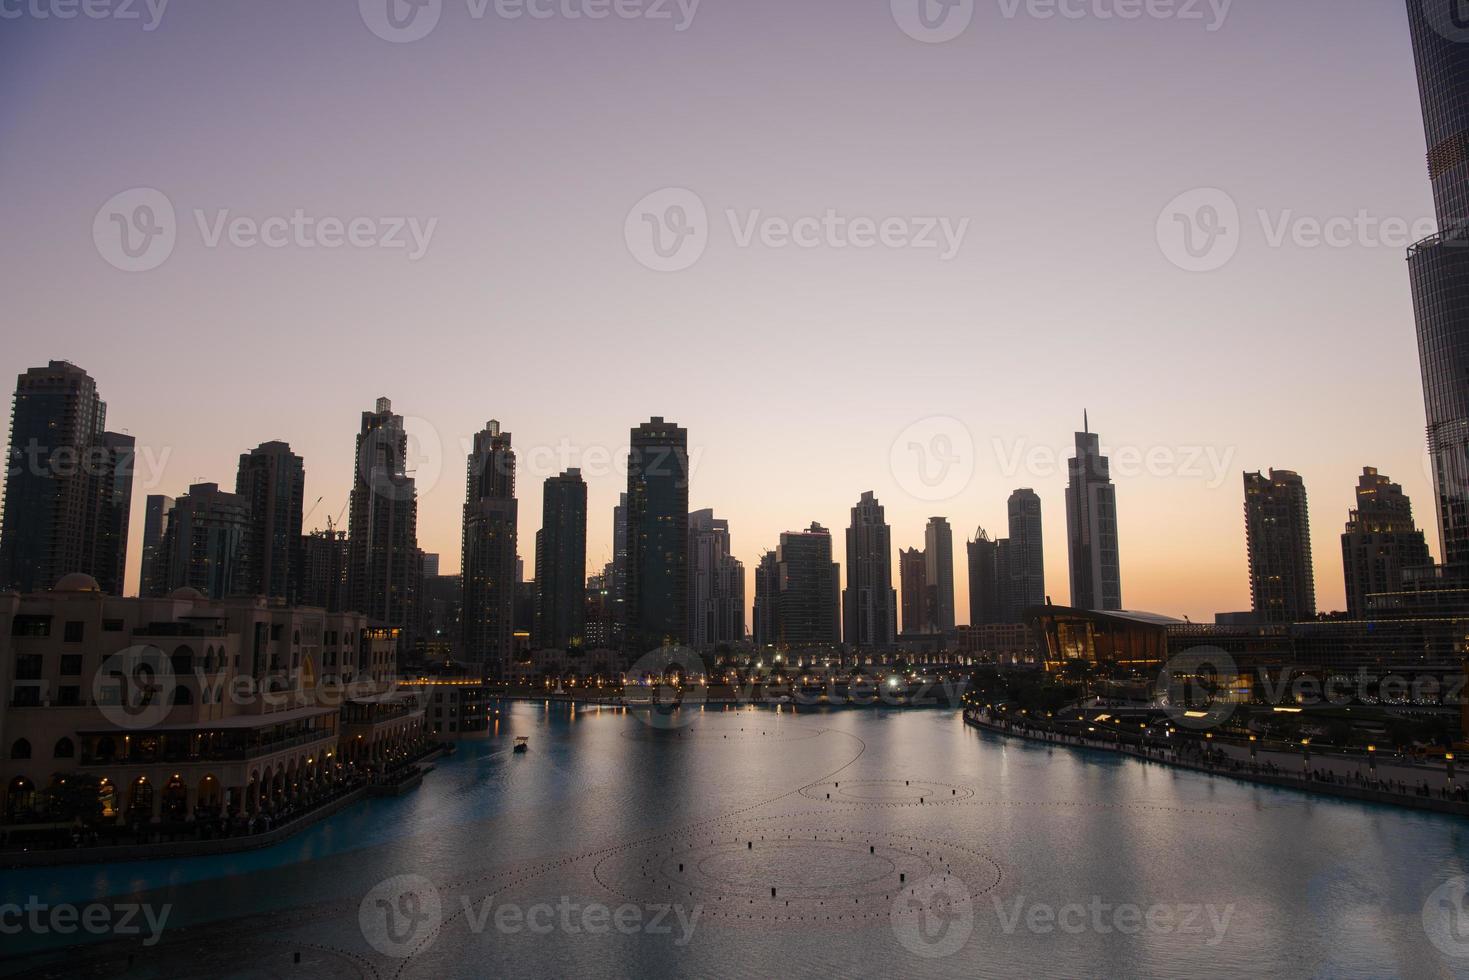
(656, 600)
(273, 480)
(382, 528)
(152, 585)
(716, 584)
(870, 605)
(113, 475)
(1278, 536)
(984, 585)
(616, 573)
(489, 542)
(913, 576)
(561, 564)
(1381, 541)
(1091, 524)
(808, 607)
(1023, 563)
(323, 582)
(204, 542)
(1439, 266)
(766, 625)
(68, 487)
(938, 552)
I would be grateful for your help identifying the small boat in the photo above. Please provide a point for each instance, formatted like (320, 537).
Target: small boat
(522, 743)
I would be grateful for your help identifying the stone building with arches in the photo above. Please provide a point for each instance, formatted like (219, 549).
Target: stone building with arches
(181, 707)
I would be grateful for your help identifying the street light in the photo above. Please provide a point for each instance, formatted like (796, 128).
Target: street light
(1254, 759)
(1448, 758)
(1306, 757)
(1372, 761)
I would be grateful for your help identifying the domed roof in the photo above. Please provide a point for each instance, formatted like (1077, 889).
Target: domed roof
(187, 593)
(77, 582)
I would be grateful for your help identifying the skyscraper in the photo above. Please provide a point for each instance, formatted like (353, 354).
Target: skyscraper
(204, 542)
(913, 575)
(766, 626)
(938, 552)
(489, 556)
(561, 564)
(1439, 266)
(1091, 524)
(324, 570)
(1023, 561)
(870, 605)
(984, 585)
(273, 480)
(716, 584)
(1278, 537)
(152, 584)
(657, 595)
(382, 524)
(68, 488)
(808, 607)
(1380, 541)
(616, 573)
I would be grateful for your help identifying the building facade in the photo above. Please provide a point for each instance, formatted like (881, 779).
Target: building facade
(913, 576)
(870, 604)
(491, 516)
(656, 601)
(561, 563)
(716, 584)
(808, 604)
(204, 543)
(938, 553)
(1021, 557)
(272, 479)
(1381, 541)
(984, 583)
(1091, 524)
(382, 531)
(68, 486)
(1278, 539)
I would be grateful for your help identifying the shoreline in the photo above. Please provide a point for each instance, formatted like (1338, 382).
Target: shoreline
(1362, 794)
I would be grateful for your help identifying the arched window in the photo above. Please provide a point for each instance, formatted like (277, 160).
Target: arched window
(20, 749)
(183, 660)
(65, 749)
(181, 695)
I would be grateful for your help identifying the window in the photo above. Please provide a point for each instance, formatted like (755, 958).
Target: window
(31, 626)
(68, 695)
(21, 749)
(71, 664)
(76, 631)
(28, 667)
(65, 749)
(112, 625)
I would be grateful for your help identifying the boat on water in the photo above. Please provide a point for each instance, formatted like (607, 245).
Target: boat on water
(522, 743)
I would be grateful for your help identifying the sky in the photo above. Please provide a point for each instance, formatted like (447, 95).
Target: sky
(894, 253)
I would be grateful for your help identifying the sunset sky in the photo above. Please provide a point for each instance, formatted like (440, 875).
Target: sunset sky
(524, 144)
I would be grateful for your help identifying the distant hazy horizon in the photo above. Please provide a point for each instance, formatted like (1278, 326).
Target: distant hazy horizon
(513, 154)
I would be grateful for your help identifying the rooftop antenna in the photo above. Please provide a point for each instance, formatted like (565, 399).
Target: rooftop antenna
(1086, 424)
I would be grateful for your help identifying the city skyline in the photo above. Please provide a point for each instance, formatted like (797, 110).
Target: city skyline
(482, 290)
